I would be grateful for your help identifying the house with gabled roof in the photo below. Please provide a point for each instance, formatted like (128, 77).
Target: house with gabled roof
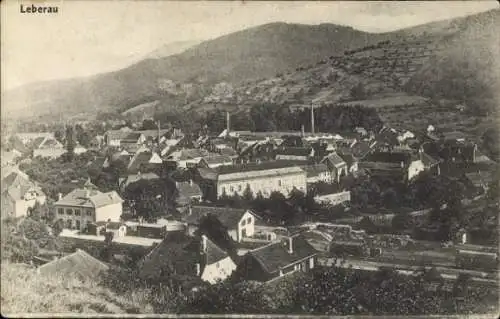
(277, 259)
(88, 205)
(401, 165)
(215, 160)
(144, 161)
(192, 258)
(336, 165)
(132, 178)
(185, 158)
(240, 223)
(19, 195)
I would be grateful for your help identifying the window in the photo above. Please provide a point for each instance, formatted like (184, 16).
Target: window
(77, 212)
(89, 212)
(249, 220)
(69, 223)
(223, 189)
(69, 211)
(239, 188)
(77, 224)
(60, 211)
(231, 189)
(217, 265)
(243, 222)
(311, 263)
(279, 182)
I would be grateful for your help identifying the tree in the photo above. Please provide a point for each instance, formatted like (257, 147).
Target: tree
(70, 143)
(58, 227)
(247, 193)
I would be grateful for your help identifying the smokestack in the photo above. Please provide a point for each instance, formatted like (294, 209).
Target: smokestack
(158, 125)
(312, 118)
(227, 123)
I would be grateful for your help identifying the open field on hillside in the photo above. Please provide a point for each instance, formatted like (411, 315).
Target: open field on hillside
(25, 291)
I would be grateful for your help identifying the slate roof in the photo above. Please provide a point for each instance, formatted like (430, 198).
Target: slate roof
(217, 159)
(14, 179)
(141, 160)
(208, 173)
(116, 134)
(79, 264)
(229, 217)
(249, 167)
(274, 256)
(389, 157)
(181, 257)
(132, 178)
(294, 151)
(187, 154)
(335, 159)
(315, 169)
(96, 199)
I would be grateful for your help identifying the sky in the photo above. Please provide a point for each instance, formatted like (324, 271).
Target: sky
(90, 37)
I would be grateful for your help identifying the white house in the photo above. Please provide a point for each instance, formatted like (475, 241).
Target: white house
(19, 194)
(88, 205)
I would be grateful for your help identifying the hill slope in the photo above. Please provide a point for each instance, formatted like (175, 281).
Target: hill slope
(258, 52)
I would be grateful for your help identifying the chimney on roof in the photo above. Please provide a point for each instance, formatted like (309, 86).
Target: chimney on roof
(290, 245)
(59, 196)
(191, 182)
(87, 193)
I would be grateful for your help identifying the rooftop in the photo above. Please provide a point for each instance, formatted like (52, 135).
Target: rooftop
(229, 217)
(89, 197)
(79, 264)
(274, 256)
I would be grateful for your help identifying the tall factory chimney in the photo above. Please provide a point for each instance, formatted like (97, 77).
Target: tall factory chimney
(312, 118)
(159, 132)
(227, 124)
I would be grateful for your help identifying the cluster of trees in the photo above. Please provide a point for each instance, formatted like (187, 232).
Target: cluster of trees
(271, 117)
(59, 175)
(151, 199)
(23, 239)
(337, 291)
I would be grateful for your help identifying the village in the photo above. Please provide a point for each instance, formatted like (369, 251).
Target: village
(261, 206)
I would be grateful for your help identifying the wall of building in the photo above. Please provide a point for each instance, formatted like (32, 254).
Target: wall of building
(86, 215)
(266, 185)
(219, 270)
(415, 168)
(112, 212)
(334, 199)
(247, 224)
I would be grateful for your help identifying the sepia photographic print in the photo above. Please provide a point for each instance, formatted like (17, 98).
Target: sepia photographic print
(250, 159)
